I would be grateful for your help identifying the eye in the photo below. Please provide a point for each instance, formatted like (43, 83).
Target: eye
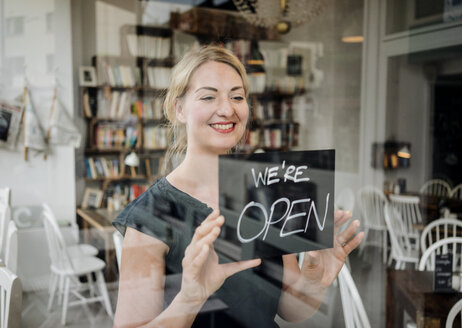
(207, 98)
(238, 98)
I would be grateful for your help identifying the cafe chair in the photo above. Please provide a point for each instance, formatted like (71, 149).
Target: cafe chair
(74, 249)
(69, 270)
(118, 242)
(372, 201)
(5, 217)
(354, 312)
(408, 208)
(5, 196)
(451, 245)
(436, 187)
(439, 229)
(345, 200)
(10, 298)
(11, 252)
(455, 311)
(401, 248)
(456, 192)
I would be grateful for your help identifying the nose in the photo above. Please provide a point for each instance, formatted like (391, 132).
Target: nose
(225, 108)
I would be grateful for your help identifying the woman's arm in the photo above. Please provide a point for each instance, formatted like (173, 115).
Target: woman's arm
(141, 284)
(303, 289)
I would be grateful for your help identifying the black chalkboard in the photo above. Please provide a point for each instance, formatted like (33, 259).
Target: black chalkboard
(443, 273)
(277, 203)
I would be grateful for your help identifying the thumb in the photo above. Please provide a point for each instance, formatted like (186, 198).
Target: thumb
(235, 267)
(311, 260)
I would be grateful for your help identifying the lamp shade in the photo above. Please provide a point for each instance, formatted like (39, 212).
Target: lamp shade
(353, 31)
(404, 152)
(132, 159)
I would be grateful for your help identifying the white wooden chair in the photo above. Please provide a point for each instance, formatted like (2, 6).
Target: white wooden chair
(5, 217)
(439, 229)
(10, 299)
(451, 245)
(69, 269)
(456, 192)
(11, 253)
(409, 211)
(118, 242)
(345, 200)
(453, 313)
(435, 187)
(372, 201)
(353, 309)
(74, 248)
(5, 196)
(401, 249)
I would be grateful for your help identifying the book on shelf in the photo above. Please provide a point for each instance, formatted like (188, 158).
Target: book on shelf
(155, 137)
(272, 137)
(88, 104)
(115, 135)
(158, 77)
(102, 167)
(121, 75)
(155, 47)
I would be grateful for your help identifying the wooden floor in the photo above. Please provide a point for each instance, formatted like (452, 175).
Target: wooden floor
(368, 272)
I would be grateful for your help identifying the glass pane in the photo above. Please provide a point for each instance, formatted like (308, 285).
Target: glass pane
(411, 14)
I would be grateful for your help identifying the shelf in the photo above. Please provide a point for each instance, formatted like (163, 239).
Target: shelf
(125, 177)
(107, 150)
(275, 122)
(135, 88)
(276, 94)
(147, 150)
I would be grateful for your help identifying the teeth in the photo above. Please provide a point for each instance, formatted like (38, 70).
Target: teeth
(222, 126)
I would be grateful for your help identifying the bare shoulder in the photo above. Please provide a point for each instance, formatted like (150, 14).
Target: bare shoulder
(139, 246)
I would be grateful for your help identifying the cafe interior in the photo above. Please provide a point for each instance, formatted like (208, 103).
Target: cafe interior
(83, 134)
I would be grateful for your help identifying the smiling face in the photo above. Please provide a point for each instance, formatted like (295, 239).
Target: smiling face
(214, 109)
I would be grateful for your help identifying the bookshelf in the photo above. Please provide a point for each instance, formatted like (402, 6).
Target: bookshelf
(124, 111)
(124, 114)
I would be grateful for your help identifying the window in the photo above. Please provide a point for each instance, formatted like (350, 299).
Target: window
(15, 64)
(14, 26)
(50, 63)
(50, 22)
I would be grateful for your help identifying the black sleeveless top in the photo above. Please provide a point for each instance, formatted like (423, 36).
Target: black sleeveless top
(170, 215)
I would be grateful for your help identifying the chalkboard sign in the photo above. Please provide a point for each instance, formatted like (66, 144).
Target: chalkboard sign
(277, 203)
(443, 273)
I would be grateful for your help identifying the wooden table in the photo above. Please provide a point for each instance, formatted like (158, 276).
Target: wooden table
(97, 227)
(412, 291)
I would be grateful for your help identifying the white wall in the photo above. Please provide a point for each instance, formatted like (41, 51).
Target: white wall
(408, 117)
(51, 181)
(334, 122)
(109, 20)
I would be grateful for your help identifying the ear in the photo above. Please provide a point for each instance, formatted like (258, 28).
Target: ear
(179, 111)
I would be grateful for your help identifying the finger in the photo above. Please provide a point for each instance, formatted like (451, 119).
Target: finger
(207, 226)
(311, 259)
(235, 267)
(349, 232)
(352, 244)
(340, 217)
(195, 247)
(199, 260)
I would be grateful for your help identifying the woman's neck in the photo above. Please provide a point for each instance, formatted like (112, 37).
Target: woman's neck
(197, 175)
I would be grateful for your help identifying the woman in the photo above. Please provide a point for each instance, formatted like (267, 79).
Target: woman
(207, 107)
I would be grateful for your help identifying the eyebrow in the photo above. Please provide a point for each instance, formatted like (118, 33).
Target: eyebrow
(216, 90)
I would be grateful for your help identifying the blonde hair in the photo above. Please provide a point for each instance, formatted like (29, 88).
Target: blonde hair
(179, 84)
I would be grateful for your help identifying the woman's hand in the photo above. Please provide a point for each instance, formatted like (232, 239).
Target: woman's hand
(304, 288)
(322, 267)
(202, 274)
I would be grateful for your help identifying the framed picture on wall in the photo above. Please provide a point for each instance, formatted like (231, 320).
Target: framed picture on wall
(10, 124)
(87, 76)
(92, 198)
